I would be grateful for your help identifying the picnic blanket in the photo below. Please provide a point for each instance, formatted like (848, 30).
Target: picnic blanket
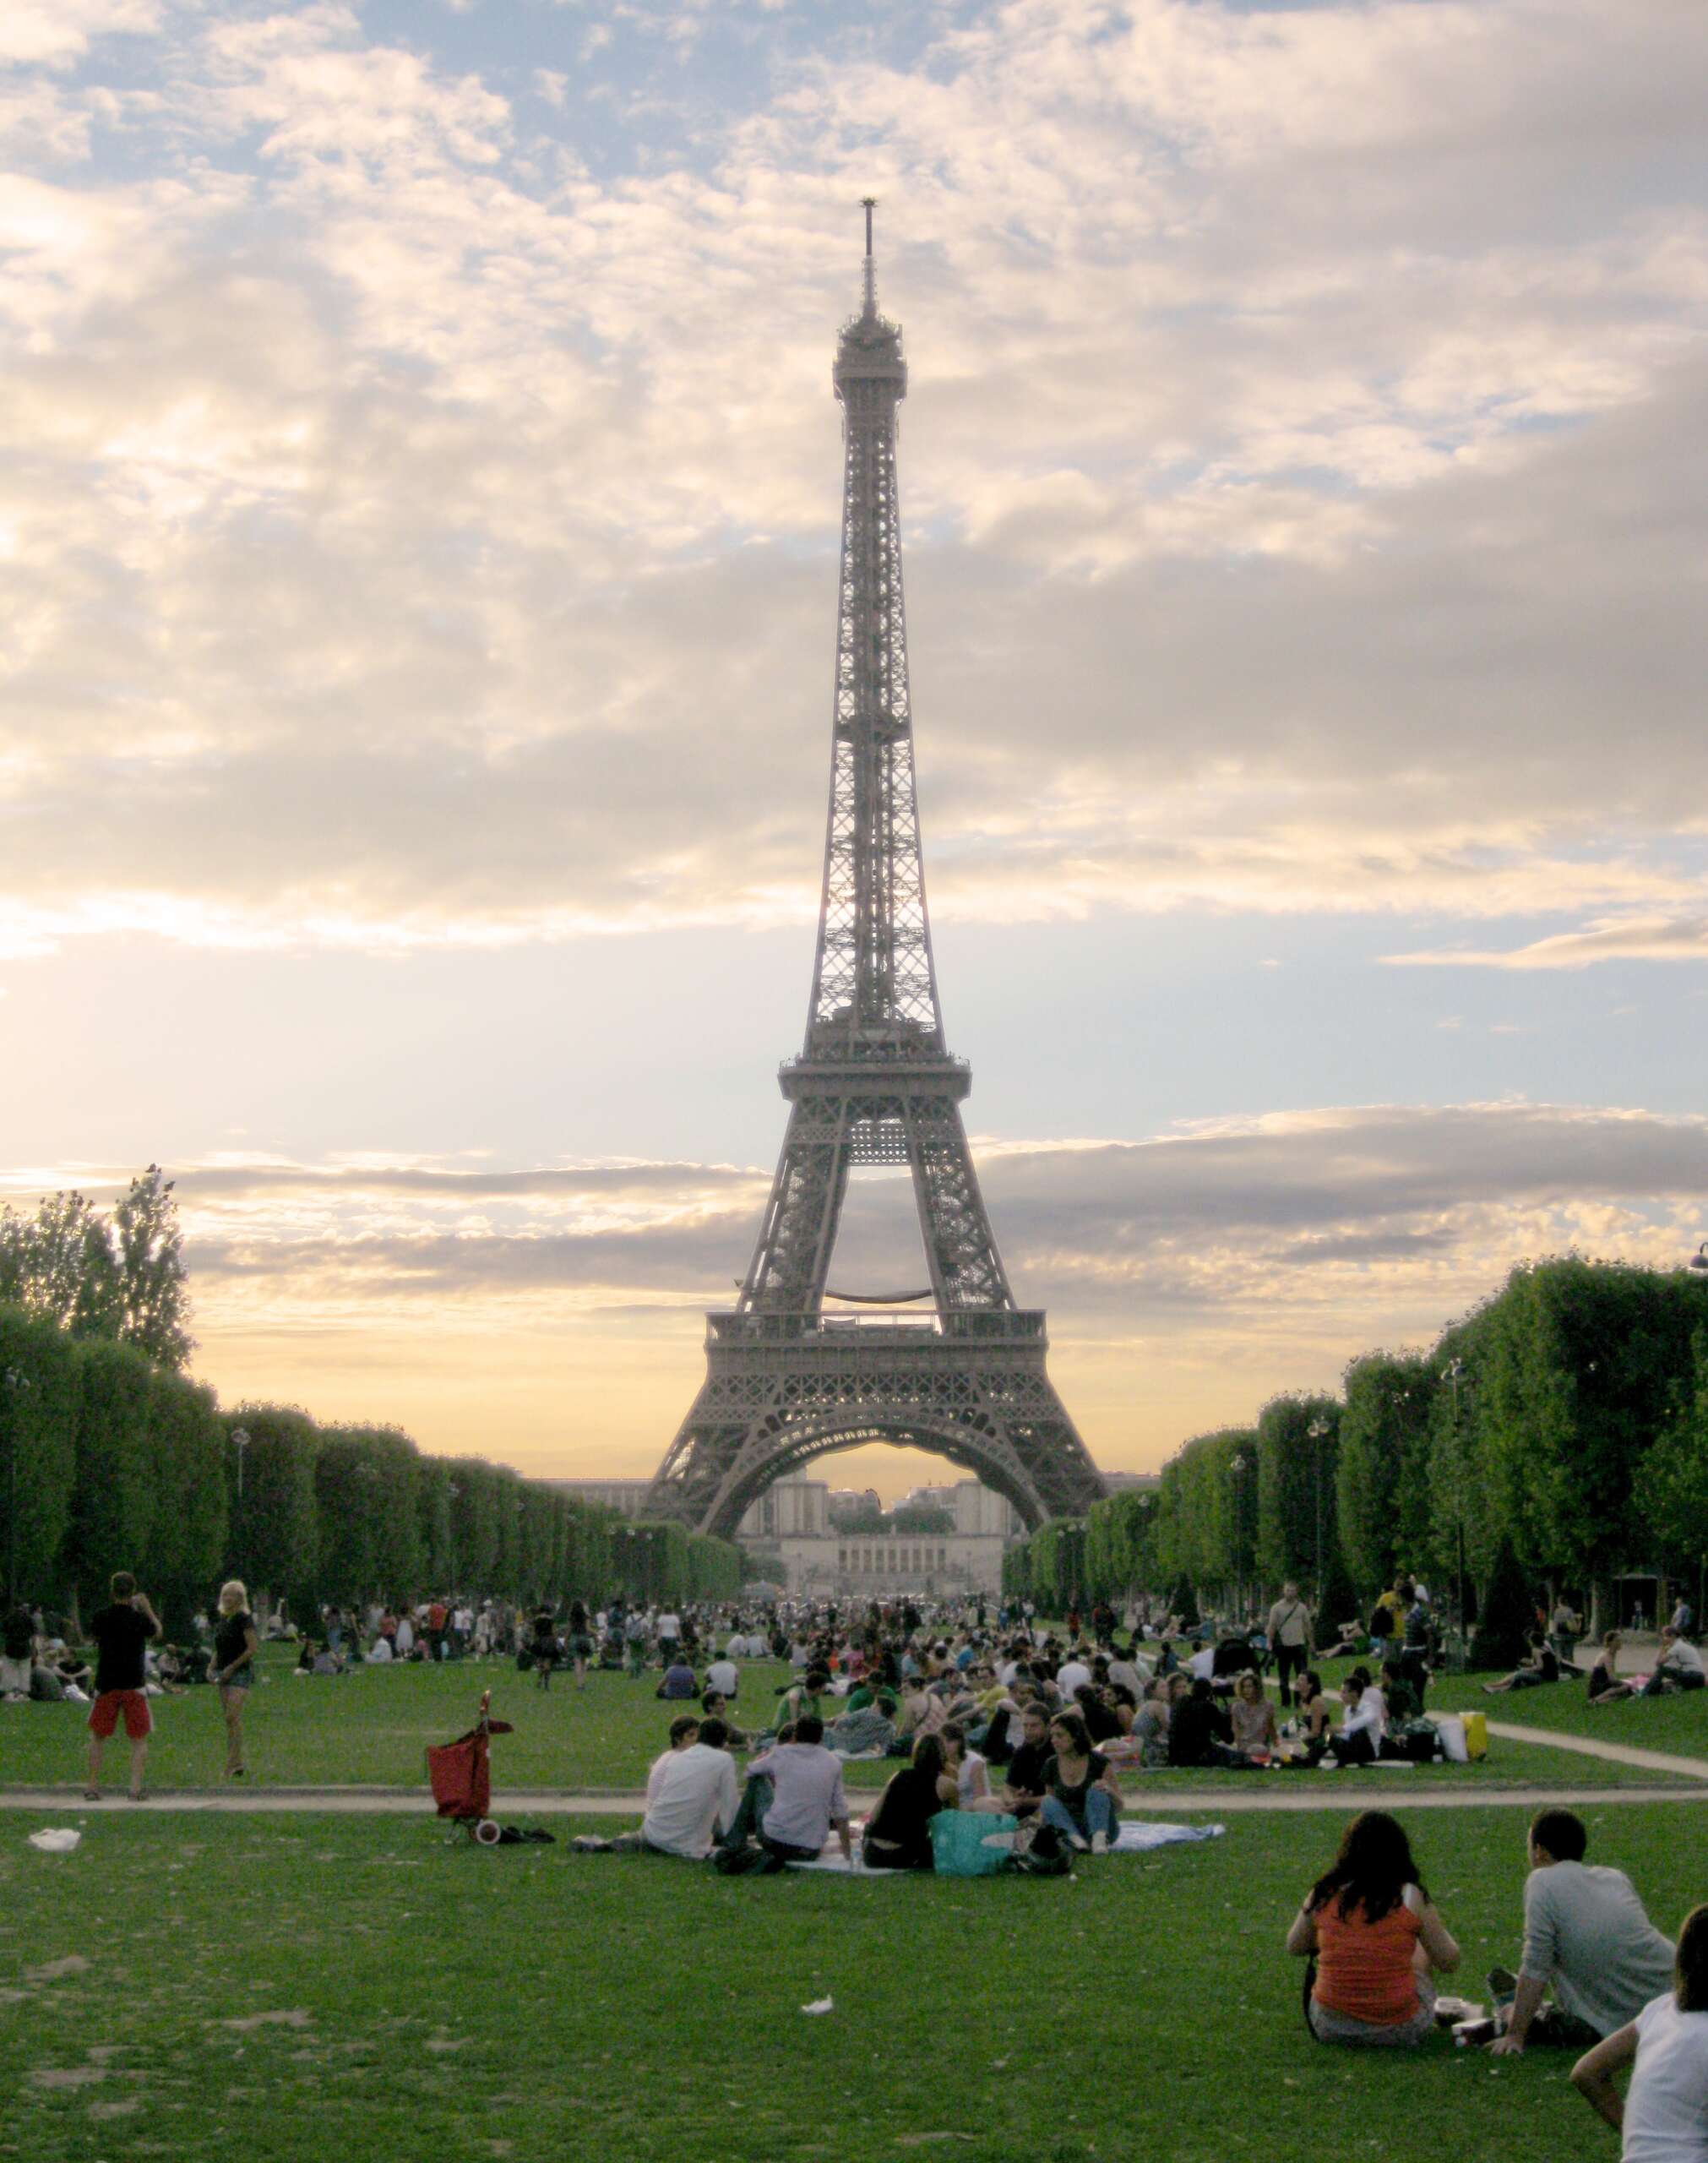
(1133, 1839)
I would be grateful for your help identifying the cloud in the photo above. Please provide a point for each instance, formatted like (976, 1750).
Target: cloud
(551, 1315)
(1301, 458)
(1633, 939)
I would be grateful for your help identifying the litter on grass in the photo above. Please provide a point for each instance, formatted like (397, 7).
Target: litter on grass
(55, 1840)
(1135, 1839)
(820, 2005)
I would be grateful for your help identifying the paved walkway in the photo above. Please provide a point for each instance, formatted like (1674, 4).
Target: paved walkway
(1613, 1753)
(1280, 1792)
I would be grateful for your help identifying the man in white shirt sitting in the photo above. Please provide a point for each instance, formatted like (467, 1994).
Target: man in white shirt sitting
(1359, 1738)
(1070, 1675)
(724, 1676)
(696, 1799)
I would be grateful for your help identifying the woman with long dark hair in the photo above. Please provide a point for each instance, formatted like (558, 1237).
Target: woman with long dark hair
(1082, 1797)
(1663, 2117)
(1375, 1937)
(898, 1832)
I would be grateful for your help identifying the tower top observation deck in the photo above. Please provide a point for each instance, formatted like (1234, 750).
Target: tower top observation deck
(869, 350)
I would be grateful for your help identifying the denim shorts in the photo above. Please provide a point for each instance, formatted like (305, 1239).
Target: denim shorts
(242, 1679)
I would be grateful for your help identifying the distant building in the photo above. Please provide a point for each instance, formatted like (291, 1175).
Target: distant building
(796, 1535)
(626, 1496)
(792, 1537)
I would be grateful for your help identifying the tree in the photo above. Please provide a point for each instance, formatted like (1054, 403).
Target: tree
(1120, 1545)
(1507, 1615)
(60, 1264)
(1578, 1375)
(113, 1503)
(275, 1525)
(1672, 1481)
(39, 1387)
(152, 1292)
(186, 1551)
(1382, 1473)
(1297, 1469)
(919, 1517)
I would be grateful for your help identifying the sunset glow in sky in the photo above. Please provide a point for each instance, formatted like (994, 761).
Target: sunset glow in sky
(419, 488)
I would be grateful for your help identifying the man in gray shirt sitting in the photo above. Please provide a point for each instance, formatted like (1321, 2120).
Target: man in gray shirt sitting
(807, 1799)
(1586, 1934)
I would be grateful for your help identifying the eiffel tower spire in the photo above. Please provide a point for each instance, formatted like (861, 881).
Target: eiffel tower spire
(874, 987)
(874, 1085)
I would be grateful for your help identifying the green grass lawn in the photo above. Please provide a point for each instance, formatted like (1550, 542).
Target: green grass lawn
(1677, 1724)
(291, 1990)
(370, 1728)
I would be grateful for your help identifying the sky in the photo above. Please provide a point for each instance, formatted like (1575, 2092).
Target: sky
(419, 498)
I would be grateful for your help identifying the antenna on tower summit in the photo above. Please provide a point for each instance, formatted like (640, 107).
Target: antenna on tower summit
(869, 203)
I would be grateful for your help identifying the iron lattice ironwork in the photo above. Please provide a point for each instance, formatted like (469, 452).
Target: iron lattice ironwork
(875, 1084)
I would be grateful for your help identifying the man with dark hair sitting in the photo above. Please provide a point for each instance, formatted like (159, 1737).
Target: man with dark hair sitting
(871, 1727)
(1586, 1934)
(806, 1804)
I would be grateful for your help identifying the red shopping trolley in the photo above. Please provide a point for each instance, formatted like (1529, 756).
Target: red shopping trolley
(460, 1776)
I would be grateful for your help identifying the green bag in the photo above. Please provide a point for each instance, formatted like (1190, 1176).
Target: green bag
(971, 1842)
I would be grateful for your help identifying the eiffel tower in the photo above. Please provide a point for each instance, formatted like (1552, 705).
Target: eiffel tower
(963, 1374)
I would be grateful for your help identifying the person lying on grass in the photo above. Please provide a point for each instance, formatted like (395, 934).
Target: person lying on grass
(1663, 2117)
(1586, 1936)
(1371, 1930)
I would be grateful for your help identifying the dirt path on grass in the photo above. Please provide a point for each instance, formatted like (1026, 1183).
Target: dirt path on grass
(1380, 1791)
(1613, 1753)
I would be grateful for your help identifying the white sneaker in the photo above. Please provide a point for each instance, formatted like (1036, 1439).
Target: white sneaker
(1100, 1843)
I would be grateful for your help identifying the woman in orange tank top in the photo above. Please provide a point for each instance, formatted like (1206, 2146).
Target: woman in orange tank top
(1375, 1938)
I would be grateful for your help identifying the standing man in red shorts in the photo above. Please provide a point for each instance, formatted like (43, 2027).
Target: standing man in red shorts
(122, 1633)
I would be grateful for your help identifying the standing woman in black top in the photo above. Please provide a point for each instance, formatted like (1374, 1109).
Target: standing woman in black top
(233, 1667)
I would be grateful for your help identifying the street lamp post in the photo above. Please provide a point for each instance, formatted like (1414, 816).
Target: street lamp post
(240, 1443)
(17, 1381)
(452, 1491)
(1319, 1431)
(1236, 1465)
(1453, 1373)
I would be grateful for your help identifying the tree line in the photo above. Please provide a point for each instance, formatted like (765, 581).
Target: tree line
(117, 1463)
(116, 1459)
(112, 1461)
(1562, 1426)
